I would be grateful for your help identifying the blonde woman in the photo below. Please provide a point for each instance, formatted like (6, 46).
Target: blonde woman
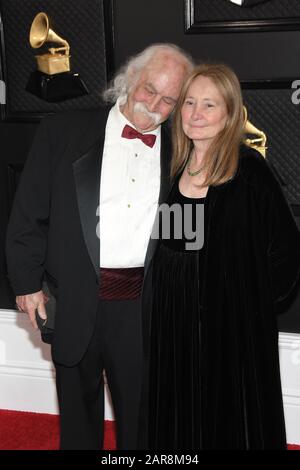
(214, 379)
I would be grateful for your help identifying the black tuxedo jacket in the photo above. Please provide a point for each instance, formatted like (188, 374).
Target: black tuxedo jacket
(52, 228)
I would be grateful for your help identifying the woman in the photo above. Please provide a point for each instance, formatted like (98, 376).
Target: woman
(214, 379)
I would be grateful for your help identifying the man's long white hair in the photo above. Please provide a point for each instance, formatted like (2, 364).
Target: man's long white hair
(128, 75)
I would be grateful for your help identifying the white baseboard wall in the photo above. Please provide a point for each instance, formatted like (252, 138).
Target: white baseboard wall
(27, 376)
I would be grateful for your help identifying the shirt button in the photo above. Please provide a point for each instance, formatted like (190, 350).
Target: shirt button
(128, 205)
(133, 180)
(135, 154)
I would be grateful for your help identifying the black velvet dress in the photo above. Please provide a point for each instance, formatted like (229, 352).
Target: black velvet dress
(214, 381)
(174, 397)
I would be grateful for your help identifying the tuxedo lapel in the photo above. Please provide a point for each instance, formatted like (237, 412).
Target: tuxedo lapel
(165, 164)
(165, 184)
(87, 174)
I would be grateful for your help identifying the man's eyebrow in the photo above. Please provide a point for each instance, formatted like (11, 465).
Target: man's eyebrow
(149, 85)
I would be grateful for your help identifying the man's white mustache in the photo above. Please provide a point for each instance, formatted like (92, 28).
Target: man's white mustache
(140, 107)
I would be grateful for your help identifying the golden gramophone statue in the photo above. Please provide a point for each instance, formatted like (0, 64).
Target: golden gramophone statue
(259, 142)
(53, 80)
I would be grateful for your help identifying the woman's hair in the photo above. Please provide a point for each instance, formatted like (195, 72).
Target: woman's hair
(129, 73)
(223, 153)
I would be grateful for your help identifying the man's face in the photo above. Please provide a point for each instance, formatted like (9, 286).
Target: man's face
(153, 97)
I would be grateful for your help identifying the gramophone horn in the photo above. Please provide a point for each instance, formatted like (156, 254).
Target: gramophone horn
(40, 32)
(53, 80)
(260, 140)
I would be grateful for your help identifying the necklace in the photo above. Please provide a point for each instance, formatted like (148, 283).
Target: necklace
(188, 168)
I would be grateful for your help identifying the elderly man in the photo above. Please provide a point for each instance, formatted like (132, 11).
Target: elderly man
(82, 219)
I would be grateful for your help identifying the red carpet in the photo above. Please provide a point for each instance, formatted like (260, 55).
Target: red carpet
(35, 431)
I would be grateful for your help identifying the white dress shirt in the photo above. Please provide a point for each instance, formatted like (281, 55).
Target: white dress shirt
(129, 191)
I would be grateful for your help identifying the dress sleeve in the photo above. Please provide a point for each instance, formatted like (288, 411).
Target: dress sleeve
(283, 245)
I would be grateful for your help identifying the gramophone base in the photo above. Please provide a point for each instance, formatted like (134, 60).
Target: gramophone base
(58, 87)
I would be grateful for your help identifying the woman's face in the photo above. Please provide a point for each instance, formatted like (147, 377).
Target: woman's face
(204, 111)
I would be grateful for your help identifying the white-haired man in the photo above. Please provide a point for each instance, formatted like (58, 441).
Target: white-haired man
(82, 220)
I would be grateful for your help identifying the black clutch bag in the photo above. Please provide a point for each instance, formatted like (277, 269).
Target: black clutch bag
(47, 326)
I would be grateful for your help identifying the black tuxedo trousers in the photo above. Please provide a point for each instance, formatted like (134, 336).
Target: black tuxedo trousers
(116, 347)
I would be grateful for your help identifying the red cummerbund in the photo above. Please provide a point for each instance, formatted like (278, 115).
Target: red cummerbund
(120, 283)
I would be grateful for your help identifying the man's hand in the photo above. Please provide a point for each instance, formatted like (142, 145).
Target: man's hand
(30, 303)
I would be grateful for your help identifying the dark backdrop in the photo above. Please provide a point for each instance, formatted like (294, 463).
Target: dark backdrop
(136, 24)
(252, 55)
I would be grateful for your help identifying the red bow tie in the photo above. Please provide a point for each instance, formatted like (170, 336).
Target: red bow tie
(131, 133)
